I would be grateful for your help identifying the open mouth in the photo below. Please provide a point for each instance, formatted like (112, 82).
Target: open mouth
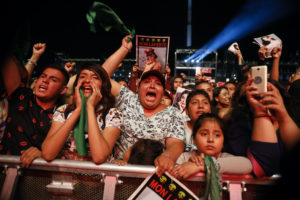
(42, 88)
(150, 95)
(86, 89)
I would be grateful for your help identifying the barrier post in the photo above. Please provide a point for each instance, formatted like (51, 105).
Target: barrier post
(10, 182)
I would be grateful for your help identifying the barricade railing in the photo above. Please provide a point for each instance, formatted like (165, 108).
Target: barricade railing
(70, 179)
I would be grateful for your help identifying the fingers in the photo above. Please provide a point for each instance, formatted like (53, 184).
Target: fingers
(77, 88)
(163, 164)
(29, 155)
(120, 162)
(96, 91)
(177, 172)
(39, 45)
(96, 95)
(198, 159)
(69, 66)
(249, 81)
(77, 93)
(127, 37)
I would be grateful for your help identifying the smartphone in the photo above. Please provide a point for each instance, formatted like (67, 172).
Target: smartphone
(259, 73)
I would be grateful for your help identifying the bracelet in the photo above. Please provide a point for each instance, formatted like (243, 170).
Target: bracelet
(166, 155)
(126, 48)
(32, 62)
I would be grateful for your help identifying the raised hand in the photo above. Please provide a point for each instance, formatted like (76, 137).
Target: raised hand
(69, 66)
(126, 43)
(262, 53)
(77, 95)
(38, 49)
(254, 99)
(273, 101)
(96, 96)
(276, 52)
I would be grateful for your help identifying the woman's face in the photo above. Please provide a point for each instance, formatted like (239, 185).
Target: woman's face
(198, 105)
(85, 78)
(150, 92)
(224, 98)
(182, 101)
(209, 138)
(231, 89)
(177, 83)
(207, 88)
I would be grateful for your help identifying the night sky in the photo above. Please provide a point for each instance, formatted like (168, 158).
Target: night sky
(63, 26)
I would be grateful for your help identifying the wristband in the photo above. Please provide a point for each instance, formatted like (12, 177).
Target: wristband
(32, 62)
(166, 155)
(126, 48)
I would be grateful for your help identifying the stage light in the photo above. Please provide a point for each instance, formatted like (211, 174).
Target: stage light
(254, 15)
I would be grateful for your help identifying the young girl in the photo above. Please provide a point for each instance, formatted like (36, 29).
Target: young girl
(92, 85)
(209, 138)
(197, 103)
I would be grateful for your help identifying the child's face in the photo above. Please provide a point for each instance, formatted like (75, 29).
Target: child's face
(209, 138)
(166, 100)
(198, 105)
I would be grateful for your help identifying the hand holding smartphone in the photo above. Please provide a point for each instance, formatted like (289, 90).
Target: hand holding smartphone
(259, 73)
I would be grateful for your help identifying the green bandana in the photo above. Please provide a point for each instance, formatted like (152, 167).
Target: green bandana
(106, 18)
(212, 187)
(81, 128)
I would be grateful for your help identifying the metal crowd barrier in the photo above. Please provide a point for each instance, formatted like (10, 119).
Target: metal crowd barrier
(70, 179)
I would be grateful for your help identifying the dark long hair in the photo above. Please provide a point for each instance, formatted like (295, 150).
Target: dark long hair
(144, 152)
(108, 100)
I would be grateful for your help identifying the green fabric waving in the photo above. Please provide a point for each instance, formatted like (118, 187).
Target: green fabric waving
(81, 128)
(107, 18)
(212, 187)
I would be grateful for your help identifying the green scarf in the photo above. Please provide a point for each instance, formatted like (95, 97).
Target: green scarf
(212, 187)
(81, 127)
(106, 18)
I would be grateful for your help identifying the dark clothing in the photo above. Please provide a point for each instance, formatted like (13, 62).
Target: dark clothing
(286, 186)
(27, 123)
(215, 110)
(294, 91)
(268, 155)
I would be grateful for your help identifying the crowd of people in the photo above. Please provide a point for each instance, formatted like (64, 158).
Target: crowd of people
(90, 116)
